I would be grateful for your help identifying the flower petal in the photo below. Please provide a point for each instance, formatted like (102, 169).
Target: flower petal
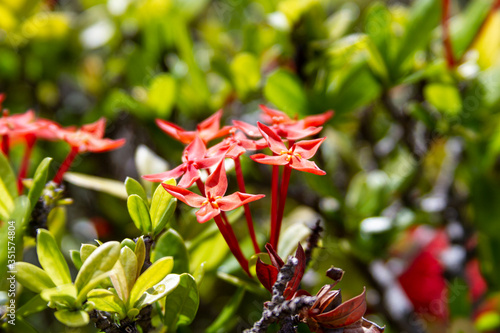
(272, 160)
(272, 116)
(188, 197)
(273, 140)
(295, 132)
(96, 129)
(308, 148)
(248, 129)
(101, 145)
(318, 119)
(190, 176)
(302, 164)
(236, 200)
(195, 150)
(206, 213)
(216, 184)
(175, 131)
(162, 176)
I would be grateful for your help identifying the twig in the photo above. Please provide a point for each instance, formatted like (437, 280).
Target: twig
(312, 241)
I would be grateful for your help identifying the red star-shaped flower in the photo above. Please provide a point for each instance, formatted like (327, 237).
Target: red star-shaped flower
(207, 130)
(296, 156)
(193, 160)
(89, 138)
(214, 200)
(235, 145)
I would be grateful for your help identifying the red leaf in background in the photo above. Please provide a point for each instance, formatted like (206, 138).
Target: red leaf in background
(425, 286)
(267, 274)
(345, 314)
(476, 282)
(294, 283)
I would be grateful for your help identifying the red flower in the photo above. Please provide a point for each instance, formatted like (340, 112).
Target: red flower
(17, 124)
(193, 160)
(207, 130)
(214, 200)
(235, 145)
(296, 156)
(294, 129)
(89, 138)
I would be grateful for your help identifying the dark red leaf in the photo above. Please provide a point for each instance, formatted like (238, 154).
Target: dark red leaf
(363, 326)
(346, 314)
(275, 258)
(267, 274)
(294, 283)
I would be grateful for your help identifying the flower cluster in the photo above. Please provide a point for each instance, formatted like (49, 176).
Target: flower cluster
(28, 128)
(278, 132)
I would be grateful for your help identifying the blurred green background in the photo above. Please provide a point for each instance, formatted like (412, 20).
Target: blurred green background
(413, 145)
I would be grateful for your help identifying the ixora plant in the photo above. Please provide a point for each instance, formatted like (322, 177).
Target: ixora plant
(135, 284)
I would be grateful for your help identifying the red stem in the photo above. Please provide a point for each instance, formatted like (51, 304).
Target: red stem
(287, 171)
(448, 48)
(230, 238)
(248, 214)
(65, 165)
(23, 171)
(274, 205)
(201, 186)
(5, 145)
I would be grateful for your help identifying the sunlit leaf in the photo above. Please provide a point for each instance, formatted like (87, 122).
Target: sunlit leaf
(139, 212)
(39, 181)
(181, 305)
(72, 318)
(151, 276)
(33, 277)
(51, 258)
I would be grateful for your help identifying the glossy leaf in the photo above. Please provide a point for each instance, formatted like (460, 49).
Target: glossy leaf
(65, 294)
(8, 189)
(139, 213)
(105, 300)
(285, 90)
(51, 258)
(162, 207)
(39, 181)
(294, 283)
(86, 250)
(125, 273)
(134, 187)
(140, 253)
(76, 259)
(151, 276)
(181, 305)
(72, 318)
(33, 277)
(171, 244)
(159, 290)
(267, 274)
(100, 261)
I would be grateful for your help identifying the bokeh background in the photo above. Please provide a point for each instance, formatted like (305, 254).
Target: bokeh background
(411, 200)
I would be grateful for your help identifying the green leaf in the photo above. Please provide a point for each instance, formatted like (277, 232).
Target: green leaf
(134, 187)
(105, 300)
(39, 181)
(33, 277)
(159, 290)
(245, 69)
(109, 186)
(34, 305)
(162, 207)
(8, 188)
(86, 250)
(285, 90)
(162, 94)
(444, 97)
(76, 259)
(65, 294)
(151, 276)
(72, 318)
(125, 273)
(139, 213)
(129, 243)
(171, 244)
(51, 258)
(140, 253)
(228, 317)
(181, 305)
(100, 261)
(424, 17)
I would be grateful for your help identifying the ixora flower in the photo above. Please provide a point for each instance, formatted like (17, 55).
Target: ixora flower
(88, 138)
(214, 203)
(207, 130)
(297, 156)
(193, 159)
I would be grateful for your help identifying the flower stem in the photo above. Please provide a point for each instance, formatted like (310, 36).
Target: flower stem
(248, 214)
(23, 171)
(274, 205)
(201, 186)
(65, 165)
(230, 238)
(448, 48)
(5, 145)
(283, 195)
